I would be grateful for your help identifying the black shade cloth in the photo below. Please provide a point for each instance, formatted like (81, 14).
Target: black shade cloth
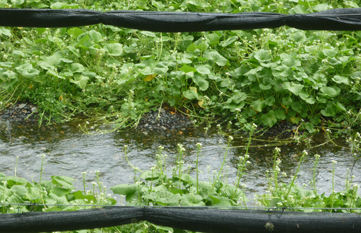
(189, 218)
(335, 19)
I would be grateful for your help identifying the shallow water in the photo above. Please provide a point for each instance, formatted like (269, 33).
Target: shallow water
(70, 152)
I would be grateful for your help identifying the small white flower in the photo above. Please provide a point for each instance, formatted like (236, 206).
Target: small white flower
(317, 156)
(334, 161)
(305, 152)
(199, 144)
(230, 138)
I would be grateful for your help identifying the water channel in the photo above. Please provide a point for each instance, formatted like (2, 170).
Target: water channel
(69, 152)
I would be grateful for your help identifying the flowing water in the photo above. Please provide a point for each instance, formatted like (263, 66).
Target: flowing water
(69, 152)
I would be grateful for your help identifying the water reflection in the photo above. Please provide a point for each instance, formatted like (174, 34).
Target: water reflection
(70, 152)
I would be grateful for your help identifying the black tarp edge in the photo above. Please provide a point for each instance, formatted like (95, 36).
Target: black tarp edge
(201, 219)
(335, 19)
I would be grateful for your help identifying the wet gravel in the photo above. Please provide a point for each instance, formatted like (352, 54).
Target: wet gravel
(154, 121)
(164, 120)
(20, 112)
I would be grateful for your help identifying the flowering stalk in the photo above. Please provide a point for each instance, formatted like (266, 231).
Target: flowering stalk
(230, 138)
(181, 149)
(199, 147)
(317, 157)
(304, 153)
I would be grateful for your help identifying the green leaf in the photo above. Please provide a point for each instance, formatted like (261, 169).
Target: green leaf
(190, 94)
(289, 60)
(298, 36)
(76, 68)
(218, 58)
(187, 69)
(330, 52)
(263, 55)
(64, 5)
(4, 31)
(212, 38)
(280, 114)
(258, 105)
(158, 70)
(114, 49)
(310, 127)
(150, 34)
(75, 32)
(237, 97)
(149, 175)
(269, 119)
(20, 190)
(341, 107)
(340, 79)
(265, 87)
(293, 87)
(55, 200)
(306, 97)
(269, 101)
(80, 81)
(17, 2)
(192, 200)
(83, 42)
(229, 41)
(27, 70)
(330, 110)
(297, 106)
(203, 69)
(330, 91)
(60, 191)
(124, 189)
(201, 82)
(220, 201)
(63, 181)
(12, 180)
(33, 194)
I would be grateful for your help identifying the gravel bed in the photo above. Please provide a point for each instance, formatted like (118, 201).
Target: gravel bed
(20, 112)
(164, 120)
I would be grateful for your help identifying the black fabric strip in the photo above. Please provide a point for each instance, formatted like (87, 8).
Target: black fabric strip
(336, 19)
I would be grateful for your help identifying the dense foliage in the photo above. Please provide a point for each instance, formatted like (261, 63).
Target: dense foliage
(263, 76)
